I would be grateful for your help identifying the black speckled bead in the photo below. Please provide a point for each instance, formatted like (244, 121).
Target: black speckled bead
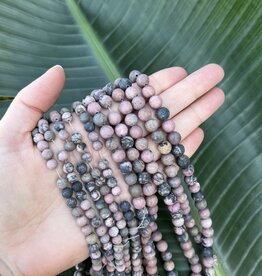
(108, 88)
(111, 182)
(69, 146)
(84, 117)
(127, 142)
(164, 189)
(81, 195)
(125, 167)
(133, 75)
(207, 252)
(125, 206)
(71, 202)
(67, 192)
(178, 150)
(100, 204)
(197, 196)
(77, 186)
(183, 238)
(129, 215)
(59, 125)
(89, 126)
(138, 166)
(81, 168)
(183, 161)
(144, 178)
(162, 113)
(90, 186)
(124, 83)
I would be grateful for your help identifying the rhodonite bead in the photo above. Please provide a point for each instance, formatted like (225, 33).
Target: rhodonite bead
(55, 116)
(132, 154)
(131, 119)
(130, 179)
(61, 183)
(106, 131)
(142, 80)
(42, 145)
(49, 135)
(135, 190)
(108, 88)
(124, 83)
(118, 95)
(87, 157)
(81, 168)
(147, 156)
(155, 102)
(178, 150)
(168, 159)
(164, 189)
(87, 100)
(111, 182)
(152, 125)
(51, 164)
(68, 167)
(106, 101)
(174, 138)
(138, 102)
(133, 75)
(162, 113)
(164, 147)
(77, 186)
(47, 154)
(97, 145)
(99, 119)
(84, 117)
(129, 215)
(80, 147)
(183, 161)
(158, 136)
(119, 155)
(144, 178)
(114, 118)
(136, 132)
(67, 192)
(127, 142)
(38, 137)
(59, 126)
(144, 114)
(63, 134)
(69, 146)
(131, 92)
(152, 167)
(121, 130)
(67, 117)
(125, 107)
(125, 167)
(141, 144)
(148, 91)
(159, 178)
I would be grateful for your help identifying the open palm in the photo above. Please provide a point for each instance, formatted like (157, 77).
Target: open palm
(38, 235)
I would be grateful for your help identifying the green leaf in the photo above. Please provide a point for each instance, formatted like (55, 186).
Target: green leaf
(95, 41)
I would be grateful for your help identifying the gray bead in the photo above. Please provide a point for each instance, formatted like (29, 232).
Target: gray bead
(90, 186)
(96, 222)
(144, 178)
(142, 213)
(80, 147)
(95, 172)
(190, 180)
(133, 75)
(76, 138)
(111, 182)
(34, 131)
(81, 195)
(105, 213)
(84, 117)
(183, 238)
(104, 190)
(166, 256)
(68, 167)
(99, 119)
(43, 128)
(49, 135)
(178, 150)
(112, 143)
(108, 88)
(138, 166)
(174, 137)
(100, 181)
(93, 248)
(72, 177)
(201, 204)
(124, 232)
(75, 104)
(69, 146)
(100, 204)
(89, 126)
(127, 142)
(125, 167)
(71, 202)
(80, 109)
(135, 190)
(130, 178)
(59, 126)
(86, 177)
(81, 168)
(61, 183)
(95, 195)
(183, 161)
(159, 178)
(170, 199)
(103, 164)
(87, 157)
(162, 113)
(164, 189)
(97, 94)
(158, 136)
(124, 83)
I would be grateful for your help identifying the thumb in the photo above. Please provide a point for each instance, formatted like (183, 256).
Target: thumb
(32, 101)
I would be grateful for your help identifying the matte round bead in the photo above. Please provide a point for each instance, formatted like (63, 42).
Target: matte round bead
(164, 147)
(43, 128)
(106, 101)
(87, 157)
(47, 154)
(97, 145)
(149, 190)
(124, 83)
(152, 167)
(79, 109)
(81, 168)
(63, 134)
(105, 213)
(167, 159)
(169, 265)
(99, 119)
(55, 116)
(144, 178)
(171, 171)
(178, 150)
(68, 167)
(129, 215)
(158, 136)
(132, 154)
(108, 88)
(168, 126)
(67, 117)
(135, 190)
(38, 137)
(125, 206)
(80, 147)
(67, 192)
(130, 179)
(112, 143)
(147, 156)
(119, 155)
(133, 75)
(125, 107)
(136, 132)
(94, 108)
(125, 167)
(131, 119)
(61, 183)
(127, 142)
(106, 132)
(51, 164)
(152, 125)
(84, 117)
(111, 182)
(121, 130)
(155, 102)
(81, 221)
(144, 114)
(77, 186)
(148, 91)
(139, 203)
(142, 80)
(162, 113)
(118, 95)
(69, 146)
(164, 189)
(174, 138)
(138, 102)
(183, 161)
(131, 92)
(87, 100)
(114, 118)
(77, 212)
(42, 145)
(138, 166)
(141, 144)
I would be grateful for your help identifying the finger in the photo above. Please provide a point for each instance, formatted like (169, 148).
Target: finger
(198, 112)
(30, 103)
(166, 78)
(193, 141)
(183, 93)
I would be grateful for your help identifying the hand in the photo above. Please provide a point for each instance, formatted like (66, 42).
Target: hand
(38, 235)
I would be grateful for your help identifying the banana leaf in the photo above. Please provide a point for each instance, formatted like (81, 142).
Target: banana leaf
(97, 41)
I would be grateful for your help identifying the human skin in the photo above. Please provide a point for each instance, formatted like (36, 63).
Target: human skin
(38, 235)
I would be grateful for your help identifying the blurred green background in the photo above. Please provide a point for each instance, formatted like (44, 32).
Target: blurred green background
(96, 41)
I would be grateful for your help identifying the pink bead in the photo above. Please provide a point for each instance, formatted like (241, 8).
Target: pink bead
(153, 210)
(131, 92)
(194, 188)
(174, 208)
(132, 154)
(94, 108)
(125, 107)
(97, 145)
(149, 189)
(109, 198)
(155, 102)
(144, 114)
(152, 262)
(148, 91)
(86, 230)
(131, 119)
(121, 130)
(42, 122)
(90, 213)
(142, 80)
(186, 245)
(141, 144)
(178, 191)
(114, 118)
(138, 102)
(189, 253)
(62, 156)
(113, 207)
(93, 136)
(109, 222)
(208, 232)
(196, 268)
(51, 164)
(152, 167)
(85, 205)
(106, 132)
(206, 223)
(139, 203)
(136, 132)
(38, 137)
(208, 262)
(47, 154)
(147, 156)
(168, 159)
(118, 95)
(119, 155)
(55, 116)
(117, 240)
(168, 126)
(151, 201)
(101, 230)
(107, 173)
(42, 145)
(113, 231)
(87, 100)
(63, 134)
(171, 171)
(106, 101)
(157, 236)
(121, 224)
(151, 270)
(147, 249)
(175, 182)
(81, 221)
(116, 191)
(118, 215)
